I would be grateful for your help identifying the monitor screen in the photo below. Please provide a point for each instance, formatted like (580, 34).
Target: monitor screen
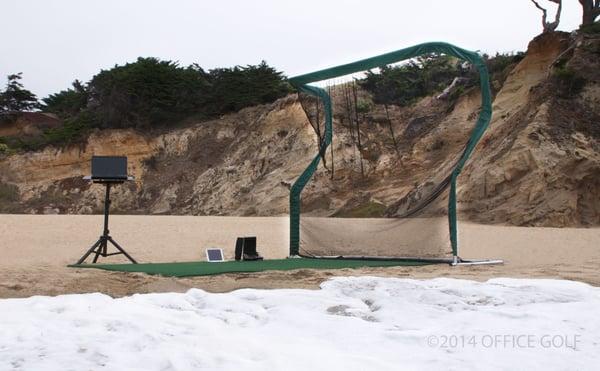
(109, 167)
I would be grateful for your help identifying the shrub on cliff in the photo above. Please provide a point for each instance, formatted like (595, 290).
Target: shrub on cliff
(404, 84)
(67, 103)
(151, 92)
(567, 82)
(239, 87)
(147, 92)
(15, 97)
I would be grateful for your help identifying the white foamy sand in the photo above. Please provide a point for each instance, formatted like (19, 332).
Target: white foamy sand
(352, 323)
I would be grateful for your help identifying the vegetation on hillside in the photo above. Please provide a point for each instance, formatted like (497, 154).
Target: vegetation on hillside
(567, 82)
(151, 92)
(430, 74)
(593, 28)
(148, 93)
(404, 83)
(68, 102)
(15, 97)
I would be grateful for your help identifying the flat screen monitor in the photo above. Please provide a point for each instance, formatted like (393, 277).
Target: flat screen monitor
(109, 167)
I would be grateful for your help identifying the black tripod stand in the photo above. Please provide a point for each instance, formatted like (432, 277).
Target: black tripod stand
(100, 247)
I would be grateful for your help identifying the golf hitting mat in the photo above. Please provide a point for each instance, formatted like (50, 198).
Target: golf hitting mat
(186, 269)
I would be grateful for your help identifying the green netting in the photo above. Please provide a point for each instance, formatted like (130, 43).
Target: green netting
(206, 268)
(446, 188)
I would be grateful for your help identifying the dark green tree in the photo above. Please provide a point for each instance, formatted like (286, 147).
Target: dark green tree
(147, 92)
(402, 85)
(239, 87)
(152, 92)
(67, 103)
(15, 97)
(405, 83)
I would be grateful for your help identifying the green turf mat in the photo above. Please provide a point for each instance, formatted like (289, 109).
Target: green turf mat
(206, 268)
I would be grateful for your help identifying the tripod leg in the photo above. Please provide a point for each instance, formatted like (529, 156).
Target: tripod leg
(89, 252)
(101, 249)
(121, 250)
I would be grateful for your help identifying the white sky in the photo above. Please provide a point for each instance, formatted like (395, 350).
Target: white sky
(54, 42)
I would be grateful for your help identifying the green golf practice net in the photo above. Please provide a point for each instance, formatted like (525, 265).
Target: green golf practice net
(418, 150)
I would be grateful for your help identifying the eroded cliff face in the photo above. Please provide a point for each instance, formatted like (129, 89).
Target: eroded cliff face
(538, 164)
(239, 164)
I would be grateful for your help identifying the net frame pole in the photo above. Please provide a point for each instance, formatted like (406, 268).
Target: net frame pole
(300, 183)
(301, 83)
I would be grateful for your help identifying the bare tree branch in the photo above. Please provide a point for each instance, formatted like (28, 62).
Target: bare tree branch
(540, 8)
(550, 26)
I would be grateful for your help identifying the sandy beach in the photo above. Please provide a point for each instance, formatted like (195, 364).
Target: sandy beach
(36, 249)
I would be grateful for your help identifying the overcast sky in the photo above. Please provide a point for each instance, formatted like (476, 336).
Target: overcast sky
(55, 42)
